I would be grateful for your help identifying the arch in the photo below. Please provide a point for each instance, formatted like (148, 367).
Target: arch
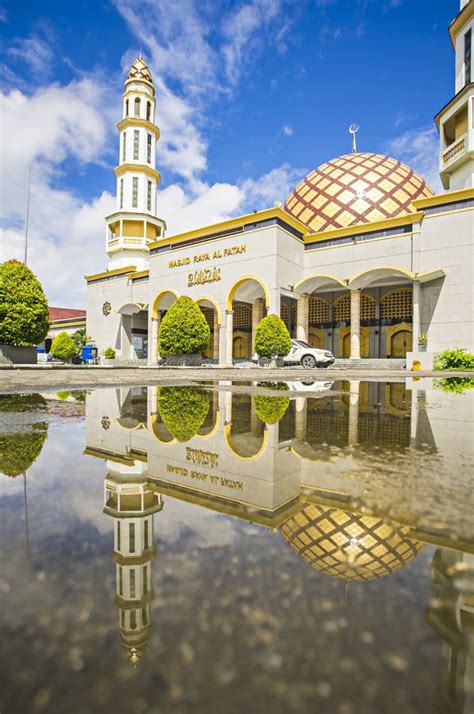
(130, 424)
(403, 331)
(372, 275)
(318, 310)
(316, 337)
(213, 303)
(136, 107)
(345, 342)
(342, 307)
(148, 111)
(238, 283)
(126, 107)
(131, 308)
(159, 298)
(215, 427)
(319, 281)
(254, 457)
(153, 425)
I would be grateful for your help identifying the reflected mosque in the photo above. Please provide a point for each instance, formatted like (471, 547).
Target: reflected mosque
(361, 259)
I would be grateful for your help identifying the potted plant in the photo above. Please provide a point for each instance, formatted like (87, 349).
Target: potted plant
(422, 342)
(184, 333)
(108, 357)
(272, 340)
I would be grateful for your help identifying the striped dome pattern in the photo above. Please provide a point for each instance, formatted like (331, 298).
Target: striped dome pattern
(355, 189)
(348, 545)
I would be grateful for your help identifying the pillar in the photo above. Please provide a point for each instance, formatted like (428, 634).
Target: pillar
(302, 317)
(153, 355)
(355, 324)
(257, 314)
(229, 335)
(215, 348)
(255, 423)
(416, 313)
(301, 418)
(354, 391)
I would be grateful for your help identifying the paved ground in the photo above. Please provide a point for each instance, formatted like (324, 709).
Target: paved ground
(46, 378)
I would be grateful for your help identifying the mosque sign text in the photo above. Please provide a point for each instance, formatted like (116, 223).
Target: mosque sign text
(208, 255)
(198, 456)
(199, 277)
(210, 479)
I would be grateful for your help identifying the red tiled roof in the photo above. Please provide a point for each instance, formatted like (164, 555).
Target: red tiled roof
(64, 313)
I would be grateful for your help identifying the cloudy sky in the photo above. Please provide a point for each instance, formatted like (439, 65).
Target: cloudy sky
(251, 95)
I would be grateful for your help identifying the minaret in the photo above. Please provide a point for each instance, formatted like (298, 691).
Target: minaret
(135, 224)
(132, 503)
(455, 121)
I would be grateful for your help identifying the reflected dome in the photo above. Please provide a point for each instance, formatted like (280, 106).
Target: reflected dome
(348, 545)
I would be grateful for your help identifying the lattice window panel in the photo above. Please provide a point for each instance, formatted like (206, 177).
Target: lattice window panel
(348, 545)
(397, 304)
(209, 315)
(284, 312)
(242, 317)
(367, 307)
(293, 313)
(342, 308)
(318, 310)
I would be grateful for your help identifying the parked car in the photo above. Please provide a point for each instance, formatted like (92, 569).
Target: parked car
(307, 356)
(308, 386)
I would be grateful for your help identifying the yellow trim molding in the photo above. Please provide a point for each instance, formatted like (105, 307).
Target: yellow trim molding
(461, 20)
(139, 274)
(111, 273)
(156, 301)
(137, 121)
(216, 306)
(375, 269)
(137, 169)
(55, 325)
(241, 281)
(341, 281)
(441, 199)
(217, 422)
(407, 219)
(231, 224)
(254, 457)
(153, 419)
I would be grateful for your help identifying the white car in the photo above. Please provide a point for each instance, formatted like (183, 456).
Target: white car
(308, 357)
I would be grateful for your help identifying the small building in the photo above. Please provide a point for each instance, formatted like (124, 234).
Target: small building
(362, 258)
(63, 319)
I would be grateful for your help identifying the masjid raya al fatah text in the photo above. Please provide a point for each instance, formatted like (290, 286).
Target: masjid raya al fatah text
(362, 259)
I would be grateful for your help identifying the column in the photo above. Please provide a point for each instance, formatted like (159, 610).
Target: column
(355, 324)
(416, 314)
(257, 314)
(301, 418)
(229, 335)
(255, 423)
(302, 317)
(215, 348)
(153, 355)
(354, 391)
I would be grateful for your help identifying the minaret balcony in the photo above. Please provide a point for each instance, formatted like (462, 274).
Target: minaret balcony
(455, 151)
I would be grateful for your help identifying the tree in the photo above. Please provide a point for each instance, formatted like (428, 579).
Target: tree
(63, 347)
(184, 329)
(24, 318)
(80, 338)
(271, 409)
(183, 410)
(272, 338)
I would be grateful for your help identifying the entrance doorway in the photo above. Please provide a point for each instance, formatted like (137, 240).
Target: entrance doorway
(401, 343)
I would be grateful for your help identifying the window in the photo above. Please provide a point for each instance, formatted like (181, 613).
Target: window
(318, 311)
(397, 305)
(467, 56)
(135, 192)
(136, 143)
(148, 111)
(148, 201)
(145, 579)
(119, 525)
(120, 579)
(144, 616)
(126, 107)
(133, 620)
(148, 148)
(121, 206)
(131, 538)
(133, 588)
(146, 526)
(137, 107)
(124, 146)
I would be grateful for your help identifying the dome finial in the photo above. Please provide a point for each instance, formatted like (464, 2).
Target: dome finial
(353, 129)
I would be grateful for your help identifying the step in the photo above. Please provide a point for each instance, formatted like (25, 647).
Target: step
(369, 363)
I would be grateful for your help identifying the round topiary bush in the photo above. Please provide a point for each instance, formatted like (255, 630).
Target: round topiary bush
(63, 347)
(24, 314)
(183, 410)
(271, 409)
(20, 450)
(272, 338)
(184, 329)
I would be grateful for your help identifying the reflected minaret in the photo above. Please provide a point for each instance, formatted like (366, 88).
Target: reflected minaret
(451, 615)
(131, 501)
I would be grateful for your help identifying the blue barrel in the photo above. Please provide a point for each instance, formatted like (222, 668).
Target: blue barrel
(88, 353)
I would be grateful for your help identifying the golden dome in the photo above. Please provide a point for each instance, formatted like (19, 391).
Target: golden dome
(355, 189)
(139, 70)
(347, 545)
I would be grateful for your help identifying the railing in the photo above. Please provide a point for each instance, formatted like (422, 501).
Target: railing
(455, 149)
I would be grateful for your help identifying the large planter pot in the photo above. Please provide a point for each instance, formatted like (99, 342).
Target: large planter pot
(187, 360)
(422, 348)
(10, 354)
(107, 362)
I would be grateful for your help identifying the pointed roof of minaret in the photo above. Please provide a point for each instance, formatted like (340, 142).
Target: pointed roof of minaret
(139, 70)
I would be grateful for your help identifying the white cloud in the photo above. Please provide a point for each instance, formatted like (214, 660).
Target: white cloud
(287, 130)
(35, 52)
(419, 148)
(272, 186)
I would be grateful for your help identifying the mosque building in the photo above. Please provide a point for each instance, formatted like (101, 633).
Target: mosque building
(362, 259)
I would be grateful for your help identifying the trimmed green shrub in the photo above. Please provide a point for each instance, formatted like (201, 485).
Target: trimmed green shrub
(184, 329)
(63, 395)
(457, 358)
(20, 450)
(109, 353)
(456, 385)
(272, 338)
(22, 402)
(183, 410)
(24, 318)
(63, 347)
(80, 339)
(271, 409)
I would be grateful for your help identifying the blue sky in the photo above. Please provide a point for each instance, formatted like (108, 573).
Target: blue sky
(251, 95)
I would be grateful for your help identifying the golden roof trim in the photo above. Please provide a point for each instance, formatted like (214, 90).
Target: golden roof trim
(137, 121)
(109, 273)
(358, 228)
(460, 21)
(139, 274)
(441, 199)
(137, 169)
